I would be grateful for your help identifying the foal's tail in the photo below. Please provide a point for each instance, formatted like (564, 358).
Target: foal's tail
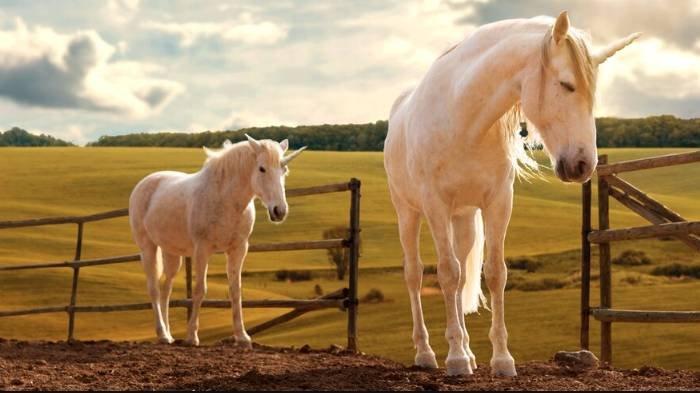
(472, 295)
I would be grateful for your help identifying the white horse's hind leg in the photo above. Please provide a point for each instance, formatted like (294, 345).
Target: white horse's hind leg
(457, 362)
(463, 236)
(171, 265)
(409, 233)
(496, 217)
(200, 259)
(234, 265)
(152, 267)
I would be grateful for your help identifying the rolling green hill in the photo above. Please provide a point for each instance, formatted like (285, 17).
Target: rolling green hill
(545, 225)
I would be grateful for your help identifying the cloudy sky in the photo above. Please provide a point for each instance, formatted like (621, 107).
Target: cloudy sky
(84, 68)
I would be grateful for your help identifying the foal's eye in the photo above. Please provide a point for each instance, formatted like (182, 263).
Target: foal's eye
(262, 169)
(568, 86)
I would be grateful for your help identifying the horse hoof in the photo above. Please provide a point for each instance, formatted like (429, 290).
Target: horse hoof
(426, 360)
(503, 367)
(472, 358)
(192, 342)
(243, 344)
(459, 366)
(166, 340)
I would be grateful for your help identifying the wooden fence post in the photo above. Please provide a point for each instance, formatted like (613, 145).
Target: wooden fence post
(585, 263)
(74, 287)
(605, 270)
(354, 258)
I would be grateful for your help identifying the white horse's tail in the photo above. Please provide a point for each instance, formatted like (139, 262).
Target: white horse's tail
(472, 295)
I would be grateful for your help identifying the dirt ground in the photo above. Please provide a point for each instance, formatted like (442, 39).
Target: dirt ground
(105, 365)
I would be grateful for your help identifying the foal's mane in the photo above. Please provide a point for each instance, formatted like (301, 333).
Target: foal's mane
(238, 157)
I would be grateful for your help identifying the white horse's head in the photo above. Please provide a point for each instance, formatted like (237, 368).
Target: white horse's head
(558, 93)
(269, 174)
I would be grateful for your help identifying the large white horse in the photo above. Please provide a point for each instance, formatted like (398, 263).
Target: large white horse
(451, 155)
(202, 213)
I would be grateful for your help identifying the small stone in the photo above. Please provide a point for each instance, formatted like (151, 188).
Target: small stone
(578, 359)
(41, 362)
(335, 349)
(305, 349)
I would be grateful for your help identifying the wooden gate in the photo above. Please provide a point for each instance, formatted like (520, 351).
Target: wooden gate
(665, 223)
(344, 299)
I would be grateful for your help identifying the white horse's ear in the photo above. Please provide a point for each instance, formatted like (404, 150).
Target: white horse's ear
(284, 145)
(227, 143)
(561, 27)
(605, 53)
(255, 144)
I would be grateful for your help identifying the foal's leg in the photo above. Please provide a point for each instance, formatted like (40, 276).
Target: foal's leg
(464, 236)
(439, 219)
(409, 233)
(200, 259)
(496, 218)
(150, 266)
(171, 265)
(234, 265)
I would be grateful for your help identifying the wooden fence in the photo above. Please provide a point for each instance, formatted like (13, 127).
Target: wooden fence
(345, 298)
(666, 223)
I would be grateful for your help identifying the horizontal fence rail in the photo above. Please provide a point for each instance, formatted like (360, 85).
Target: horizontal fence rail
(648, 163)
(344, 298)
(610, 315)
(665, 223)
(659, 230)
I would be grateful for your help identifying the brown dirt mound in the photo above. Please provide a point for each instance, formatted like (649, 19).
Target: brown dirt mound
(105, 365)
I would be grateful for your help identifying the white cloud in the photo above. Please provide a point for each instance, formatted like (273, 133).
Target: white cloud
(650, 65)
(243, 119)
(121, 11)
(40, 67)
(243, 31)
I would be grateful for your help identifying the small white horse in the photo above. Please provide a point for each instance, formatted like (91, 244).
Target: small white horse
(202, 213)
(451, 155)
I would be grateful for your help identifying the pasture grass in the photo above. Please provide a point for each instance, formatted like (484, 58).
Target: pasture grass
(545, 227)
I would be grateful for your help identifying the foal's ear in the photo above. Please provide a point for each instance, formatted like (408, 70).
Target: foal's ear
(284, 145)
(561, 27)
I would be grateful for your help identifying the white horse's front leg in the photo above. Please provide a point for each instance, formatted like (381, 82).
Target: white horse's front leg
(201, 260)
(409, 234)
(438, 216)
(496, 218)
(234, 266)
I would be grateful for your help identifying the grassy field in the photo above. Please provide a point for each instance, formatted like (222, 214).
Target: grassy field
(545, 225)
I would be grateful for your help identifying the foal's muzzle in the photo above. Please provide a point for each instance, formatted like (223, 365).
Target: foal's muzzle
(277, 213)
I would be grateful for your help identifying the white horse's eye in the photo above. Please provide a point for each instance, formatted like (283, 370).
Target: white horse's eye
(568, 86)
(262, 169)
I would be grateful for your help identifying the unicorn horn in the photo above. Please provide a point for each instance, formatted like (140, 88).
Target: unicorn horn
(289, 158)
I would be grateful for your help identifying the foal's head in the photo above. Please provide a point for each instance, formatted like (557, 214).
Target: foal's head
(558, 95)
(269, 173)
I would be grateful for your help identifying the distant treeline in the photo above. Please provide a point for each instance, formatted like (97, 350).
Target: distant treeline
(19, 137)
(656, 131)
(341, 137)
